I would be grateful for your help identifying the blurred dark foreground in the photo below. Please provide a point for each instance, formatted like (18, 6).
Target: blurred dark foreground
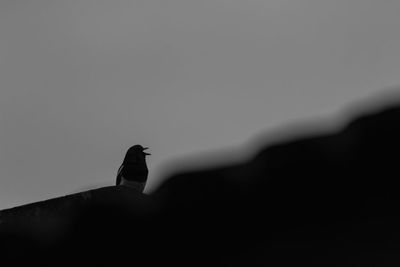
(323, 198)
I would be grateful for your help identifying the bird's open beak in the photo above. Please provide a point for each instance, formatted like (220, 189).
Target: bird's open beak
(145, 152)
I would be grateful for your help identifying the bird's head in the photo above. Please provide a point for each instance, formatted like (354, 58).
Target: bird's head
(136, 153)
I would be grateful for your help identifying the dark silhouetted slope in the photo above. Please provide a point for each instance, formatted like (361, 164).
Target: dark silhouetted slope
(78, 226)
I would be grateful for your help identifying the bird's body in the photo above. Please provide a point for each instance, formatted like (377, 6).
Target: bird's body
(133, 172)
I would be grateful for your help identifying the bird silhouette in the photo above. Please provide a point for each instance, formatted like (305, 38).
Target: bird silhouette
(133, 171)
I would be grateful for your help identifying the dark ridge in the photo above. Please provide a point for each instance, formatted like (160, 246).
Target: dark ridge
(328, 199)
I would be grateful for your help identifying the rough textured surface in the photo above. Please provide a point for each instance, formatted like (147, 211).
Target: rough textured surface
(325, 200)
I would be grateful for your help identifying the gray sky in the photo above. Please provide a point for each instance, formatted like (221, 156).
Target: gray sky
(82, 80)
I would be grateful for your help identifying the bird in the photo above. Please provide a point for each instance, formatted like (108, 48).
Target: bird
(133, 171)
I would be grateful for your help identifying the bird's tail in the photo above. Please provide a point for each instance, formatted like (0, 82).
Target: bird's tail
(119, 174)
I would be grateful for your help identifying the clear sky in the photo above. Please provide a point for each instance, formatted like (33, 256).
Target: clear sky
(82, 80)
